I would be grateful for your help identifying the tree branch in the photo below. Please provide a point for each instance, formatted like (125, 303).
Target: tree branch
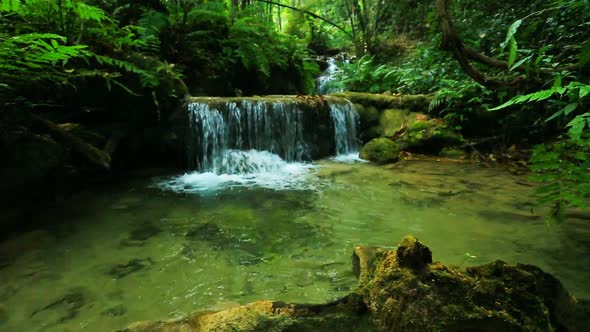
(306, 12)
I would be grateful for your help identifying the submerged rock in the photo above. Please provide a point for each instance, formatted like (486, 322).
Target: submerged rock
(119, 271)
(403, 290)
(66, 307)
(381, 150)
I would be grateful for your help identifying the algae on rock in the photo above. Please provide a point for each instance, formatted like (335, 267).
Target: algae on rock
(381, 150)
(403, 290)
(429, 136)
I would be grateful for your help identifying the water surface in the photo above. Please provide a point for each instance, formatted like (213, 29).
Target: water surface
(132, 251)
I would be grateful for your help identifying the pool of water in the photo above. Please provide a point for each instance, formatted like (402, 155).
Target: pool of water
(133, 251)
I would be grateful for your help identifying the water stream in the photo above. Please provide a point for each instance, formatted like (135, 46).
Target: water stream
(130, 251)
(257, 219)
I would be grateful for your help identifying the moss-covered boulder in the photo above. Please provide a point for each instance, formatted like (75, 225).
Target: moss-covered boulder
(347, 314)
(414, 103)
(429, 136)
(381, 151)
(405, 291)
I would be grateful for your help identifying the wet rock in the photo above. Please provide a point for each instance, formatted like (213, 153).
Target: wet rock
(139, 236)
(403, 290)
(452, 153)
(414, 103)
(491, 297)
(68, 306)
(116, 311)
(413, 254)
(381, 151)
(429, 136)
(119, 271)
(346, 314)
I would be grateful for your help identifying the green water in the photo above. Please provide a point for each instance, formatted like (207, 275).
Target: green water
(129, 252)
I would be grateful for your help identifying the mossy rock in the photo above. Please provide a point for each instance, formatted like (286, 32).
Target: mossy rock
(392, 120)
(452, 153)
(381, 151)
(414, 103)
(429, 136)
(405, 291)
(368, 116)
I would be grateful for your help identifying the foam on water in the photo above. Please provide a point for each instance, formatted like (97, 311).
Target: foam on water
(349, 158)
(246, 169)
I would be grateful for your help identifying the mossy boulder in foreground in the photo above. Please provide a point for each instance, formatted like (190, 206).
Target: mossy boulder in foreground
(381, 150)
(403, 290)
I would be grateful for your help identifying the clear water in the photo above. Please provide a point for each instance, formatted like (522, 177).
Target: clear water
(131, 251)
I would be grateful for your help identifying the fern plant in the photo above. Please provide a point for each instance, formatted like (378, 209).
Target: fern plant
(563, 168)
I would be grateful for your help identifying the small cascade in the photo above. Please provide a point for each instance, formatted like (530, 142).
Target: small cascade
(250, 125)
(346, 123)
(264, 142)
(323, 83)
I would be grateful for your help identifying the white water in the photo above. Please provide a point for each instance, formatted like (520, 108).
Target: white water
(246, 169)
(346, 122)
(241, 145)
(324, 83)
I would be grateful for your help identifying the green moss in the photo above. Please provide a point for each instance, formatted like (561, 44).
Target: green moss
(429, 136)
(381, 150)
(452, 153)
(392, 120)
(419, 125)
(369, 116)
(416, 103)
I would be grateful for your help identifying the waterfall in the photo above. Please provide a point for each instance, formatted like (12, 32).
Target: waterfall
(251, 125)
(265, 142)
(324, 82)
(346, 122)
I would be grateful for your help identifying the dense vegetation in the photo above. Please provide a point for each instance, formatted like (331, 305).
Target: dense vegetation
(121, 68)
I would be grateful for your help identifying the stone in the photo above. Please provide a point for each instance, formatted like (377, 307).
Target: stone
(139, 236)
(67, 307)
(429, 136)
(452, 153)
(413, 254)
(404, 290)
(381, 151)
(119, 271)
(346, 314)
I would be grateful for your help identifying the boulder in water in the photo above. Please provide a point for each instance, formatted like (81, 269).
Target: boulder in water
(403, 290)
(381, 151)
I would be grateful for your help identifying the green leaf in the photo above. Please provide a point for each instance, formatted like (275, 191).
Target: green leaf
(516, 65)
(556, 114)
(513, 52)
(584, 91)
(510, 34)
(569, 108)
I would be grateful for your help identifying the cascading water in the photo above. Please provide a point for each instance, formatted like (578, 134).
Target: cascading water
(324, 83)
(346, 121)
(266, 143)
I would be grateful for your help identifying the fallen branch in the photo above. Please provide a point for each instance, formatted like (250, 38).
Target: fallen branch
(91, 154)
